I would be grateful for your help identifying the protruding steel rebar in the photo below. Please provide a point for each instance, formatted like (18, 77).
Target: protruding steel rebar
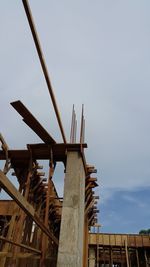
(82, 129)
(43, 64)
(73, 131)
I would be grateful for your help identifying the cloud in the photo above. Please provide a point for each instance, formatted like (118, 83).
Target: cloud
(125, 211)
(134, 200)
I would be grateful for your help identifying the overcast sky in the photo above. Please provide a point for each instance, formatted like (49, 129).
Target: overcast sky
(98, 54)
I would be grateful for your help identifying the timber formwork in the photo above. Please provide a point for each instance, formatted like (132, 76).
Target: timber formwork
(119, 250)
(30, 222)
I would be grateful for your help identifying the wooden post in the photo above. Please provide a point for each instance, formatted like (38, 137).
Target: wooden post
(121, 256)
(145, 256)
(9, 234)
(111, 258)
(97, 245)
(137, 258)
(127, 255)
(44, 237)
(18, 233)
(85, 256)
(92, 257)
(104, 256)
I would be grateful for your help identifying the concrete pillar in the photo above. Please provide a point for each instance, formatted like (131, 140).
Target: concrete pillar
(92, 255)
(70, 250)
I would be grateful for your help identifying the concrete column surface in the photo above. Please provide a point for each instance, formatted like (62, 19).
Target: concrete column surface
(92, 254)
(70, 250)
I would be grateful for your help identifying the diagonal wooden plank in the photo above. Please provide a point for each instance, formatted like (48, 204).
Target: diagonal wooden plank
(20, 245)
(32, 122)
(24, 204)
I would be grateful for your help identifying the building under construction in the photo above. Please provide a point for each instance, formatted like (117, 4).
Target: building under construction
(39, 228)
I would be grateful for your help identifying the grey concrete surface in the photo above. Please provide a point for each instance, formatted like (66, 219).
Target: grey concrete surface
(70, 251)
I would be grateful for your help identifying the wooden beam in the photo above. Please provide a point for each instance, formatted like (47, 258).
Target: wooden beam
(12, 222)
(127, 254)
(145, 256)
(24, 204)
(42, 151)
(20, 245)
(137, 258)
(20, 255)
(7, 207)
(43, 65)
(85, 256)
(15, 194)
(32, 122)
(89, 207)
(111, 257)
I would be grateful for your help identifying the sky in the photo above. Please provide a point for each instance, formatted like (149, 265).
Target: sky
(97, 53)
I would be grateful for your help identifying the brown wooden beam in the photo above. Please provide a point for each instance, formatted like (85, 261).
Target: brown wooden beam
(127, 253)
(42, 151)
(24, 204)
(7, 207)
(20, 245)
(137, 258)
(22, 255)
(32, 122)
(43, 64)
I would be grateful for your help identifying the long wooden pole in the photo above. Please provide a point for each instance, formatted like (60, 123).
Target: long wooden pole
(43, 64)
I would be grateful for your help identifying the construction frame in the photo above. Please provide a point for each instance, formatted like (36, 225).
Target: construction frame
(37, 227)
